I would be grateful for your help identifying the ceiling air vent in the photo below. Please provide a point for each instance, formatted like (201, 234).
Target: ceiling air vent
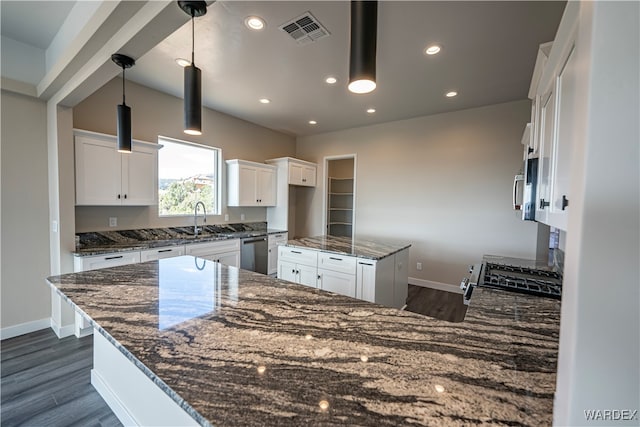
(304, 29)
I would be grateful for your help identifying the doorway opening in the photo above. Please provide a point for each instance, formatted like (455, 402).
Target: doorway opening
(340, 195)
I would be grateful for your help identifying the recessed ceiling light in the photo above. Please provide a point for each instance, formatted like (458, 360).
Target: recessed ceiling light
(451, 94)
(331, 80)
(183, 62)
(371, 110)
(265, 100)
(432, 50)
(313, 122)
(254, 23)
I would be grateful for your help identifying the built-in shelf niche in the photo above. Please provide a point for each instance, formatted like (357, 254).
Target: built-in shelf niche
(340, 198)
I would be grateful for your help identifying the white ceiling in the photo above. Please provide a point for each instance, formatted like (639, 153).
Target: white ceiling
(488, 54)
(34, 22)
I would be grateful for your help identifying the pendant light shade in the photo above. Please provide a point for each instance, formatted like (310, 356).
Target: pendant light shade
(362, 60)
(192, 75)
(124, 111)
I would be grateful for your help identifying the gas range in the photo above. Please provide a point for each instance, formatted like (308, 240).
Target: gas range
(513, 275)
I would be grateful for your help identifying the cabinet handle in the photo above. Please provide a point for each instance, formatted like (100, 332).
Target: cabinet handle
(118, 196)
(530, 150)
(364, 263)
(335, 259)
(297, 271)
(304, 180)
(296, 252)
(565, 202)
(293, 271)
(125, 196)
(319, 277)
(543, 204)
(165, 250)
(113, 257)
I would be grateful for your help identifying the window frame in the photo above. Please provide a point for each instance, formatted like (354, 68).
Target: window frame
(217, 191)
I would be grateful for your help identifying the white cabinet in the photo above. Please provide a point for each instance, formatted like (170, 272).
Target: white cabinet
(337, 273)
(106, 177)
(555, 92)
(274, 240)
(160, 253)
(225, 252)
(302, 173)
(376, 280)
(532, 149)
(298, 265)
(105, 261)
(250, 184)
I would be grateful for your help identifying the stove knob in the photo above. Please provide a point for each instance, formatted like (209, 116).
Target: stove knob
(464, 284)
(471, 269)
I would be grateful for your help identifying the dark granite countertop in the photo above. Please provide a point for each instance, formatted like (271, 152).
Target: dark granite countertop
(104, 242)
(242, 348)
(346, 246)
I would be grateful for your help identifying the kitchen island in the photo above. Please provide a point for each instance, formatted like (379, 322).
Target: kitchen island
(374, 271)
(232, 347)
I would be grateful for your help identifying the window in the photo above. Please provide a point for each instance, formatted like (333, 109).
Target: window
(187, 173)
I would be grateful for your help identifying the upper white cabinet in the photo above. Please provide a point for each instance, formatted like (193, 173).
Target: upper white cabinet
(250, 183)
(299, 172)
(106, 177)
(556, 91)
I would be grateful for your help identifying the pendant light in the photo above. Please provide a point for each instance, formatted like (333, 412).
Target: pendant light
(124, 111)
(362, 60)
(192, 75)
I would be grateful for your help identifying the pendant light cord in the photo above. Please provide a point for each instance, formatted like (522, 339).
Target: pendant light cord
(193, 38)
(123, 85)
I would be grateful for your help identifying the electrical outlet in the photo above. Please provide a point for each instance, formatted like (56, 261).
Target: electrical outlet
(113, 221)
(226, 217)
(241, 217)
(419, 266)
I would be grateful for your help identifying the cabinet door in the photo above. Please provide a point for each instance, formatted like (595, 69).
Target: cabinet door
(307, 275)
(340, 283)
(562, 150)
(309, 176)
(140, 176)
(266, 187)
(247, 192)
(229, 258)
(287, 271)
(547, 137)
(161, 253)
(295, 174)
(98, 176)
(366, 281)
(272, 262)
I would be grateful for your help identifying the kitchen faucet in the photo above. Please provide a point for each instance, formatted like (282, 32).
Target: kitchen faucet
(195, 218)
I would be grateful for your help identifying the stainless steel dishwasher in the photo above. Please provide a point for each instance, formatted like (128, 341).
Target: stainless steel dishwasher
(254, 252)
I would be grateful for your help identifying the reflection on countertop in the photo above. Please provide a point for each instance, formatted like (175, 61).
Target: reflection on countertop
(242, 348)
(101, 242)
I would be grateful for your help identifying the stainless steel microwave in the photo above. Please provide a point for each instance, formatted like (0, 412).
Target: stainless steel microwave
(529, 183)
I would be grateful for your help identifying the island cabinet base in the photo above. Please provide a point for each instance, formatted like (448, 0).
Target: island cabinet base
(132, 396)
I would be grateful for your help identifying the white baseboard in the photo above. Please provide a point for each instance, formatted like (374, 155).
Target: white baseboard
(111, 399)
(62, 331)
(435, 285)
(24, 328)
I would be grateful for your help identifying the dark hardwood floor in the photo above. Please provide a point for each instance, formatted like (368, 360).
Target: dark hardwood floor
(47, 382)
(436, 303)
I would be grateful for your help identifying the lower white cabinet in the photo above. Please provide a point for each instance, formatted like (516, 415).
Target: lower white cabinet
(383, 281)
(105, 261)
(225, 252)
(160, 253)
(334, 281)
(274, 240)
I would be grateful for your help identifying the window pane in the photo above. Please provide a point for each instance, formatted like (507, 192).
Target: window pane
(187, 174)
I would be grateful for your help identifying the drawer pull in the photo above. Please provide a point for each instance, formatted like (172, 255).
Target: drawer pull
(296, 252)
(165, 250)
(335, 259)
(113, 257)
(365, 263)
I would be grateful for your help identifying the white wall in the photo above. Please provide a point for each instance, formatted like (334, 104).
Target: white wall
(441, 182)
(154, 113)
(25, 213)
(599, 360)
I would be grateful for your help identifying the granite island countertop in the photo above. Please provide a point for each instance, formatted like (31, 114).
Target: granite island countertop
(104, 242)
(242, 348)
(347, 246)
